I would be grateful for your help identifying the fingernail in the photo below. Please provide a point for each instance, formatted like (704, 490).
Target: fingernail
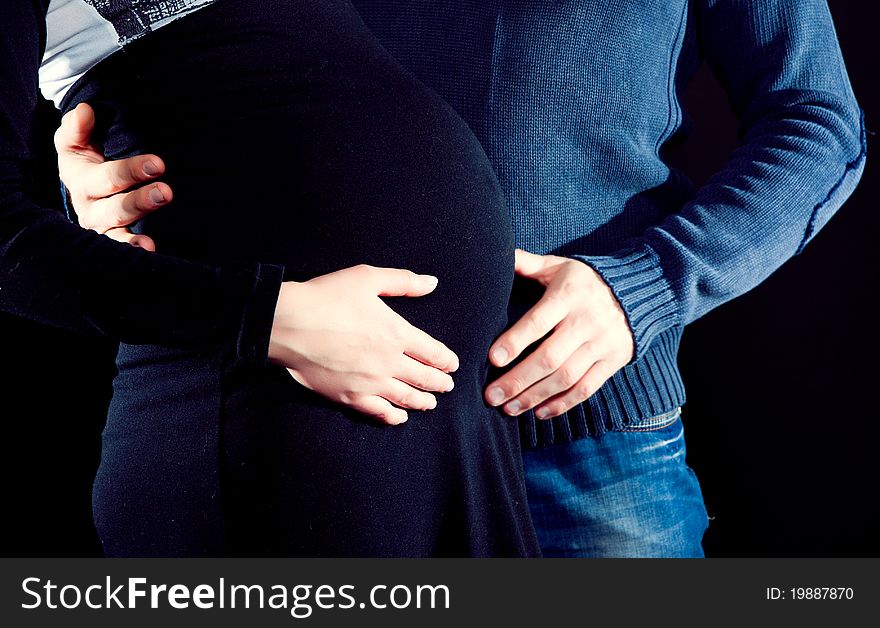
(431, 279)
(150, 169)
(542, 413)
(513, 407)
(500, 356)
(156, 196)
(433, 404)
(449, 386)
(496, 396)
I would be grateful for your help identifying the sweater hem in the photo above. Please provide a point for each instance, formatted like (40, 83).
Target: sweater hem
(648, 387)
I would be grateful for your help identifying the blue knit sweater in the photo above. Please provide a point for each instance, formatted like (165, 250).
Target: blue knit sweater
(574, 101)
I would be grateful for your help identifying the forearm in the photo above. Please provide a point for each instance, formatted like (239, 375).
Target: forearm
(58, 273)
(801, 155)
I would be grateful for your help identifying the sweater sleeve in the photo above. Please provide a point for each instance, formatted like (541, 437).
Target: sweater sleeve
(56, 272)
(801, 154)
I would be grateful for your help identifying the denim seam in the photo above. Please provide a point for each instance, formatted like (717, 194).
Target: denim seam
(654, 423)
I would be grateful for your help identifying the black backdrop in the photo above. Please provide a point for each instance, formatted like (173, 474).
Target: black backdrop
(782, 421)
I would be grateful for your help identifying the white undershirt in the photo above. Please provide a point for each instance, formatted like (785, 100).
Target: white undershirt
(78, 38)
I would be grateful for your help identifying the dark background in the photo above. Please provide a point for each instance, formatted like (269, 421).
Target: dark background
(782, 419)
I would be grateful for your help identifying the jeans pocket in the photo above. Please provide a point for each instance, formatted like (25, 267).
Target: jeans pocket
(654, 423)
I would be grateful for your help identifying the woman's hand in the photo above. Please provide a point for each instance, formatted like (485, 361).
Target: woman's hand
(338, 338)
(334, 333)
(104, 193)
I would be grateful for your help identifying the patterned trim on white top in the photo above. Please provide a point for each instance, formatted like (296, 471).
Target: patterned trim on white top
(81, 33)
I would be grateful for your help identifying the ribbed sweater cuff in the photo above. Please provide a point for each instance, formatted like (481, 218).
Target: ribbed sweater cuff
(257, 287)
(636, 279)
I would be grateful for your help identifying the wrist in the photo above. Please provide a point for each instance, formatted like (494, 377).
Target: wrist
(638, 284)
(253, 295)
(289, 298)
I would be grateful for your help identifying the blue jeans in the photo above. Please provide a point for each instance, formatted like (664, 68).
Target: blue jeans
(623, 494)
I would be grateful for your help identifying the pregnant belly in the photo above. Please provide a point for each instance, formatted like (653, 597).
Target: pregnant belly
(292, 137)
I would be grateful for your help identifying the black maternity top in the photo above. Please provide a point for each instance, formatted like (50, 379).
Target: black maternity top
(296, 146)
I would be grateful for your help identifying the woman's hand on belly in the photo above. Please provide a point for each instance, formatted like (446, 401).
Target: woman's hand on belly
(333, 333)
(105, 194)
(338, 338)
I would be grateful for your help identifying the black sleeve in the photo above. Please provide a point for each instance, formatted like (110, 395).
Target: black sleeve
(56, 272)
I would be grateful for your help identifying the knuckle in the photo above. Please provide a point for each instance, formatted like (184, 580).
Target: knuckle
(568, 289)
(347, 398)
(585, 390)
(550, 361)
(419, 380)
(410, 279)
(588, 351)
(58, 140)
(560, 408)
(133, 171)
(140, 199)
(537, 321)
(515, 342)
(514, 385)
(396, 333)
(555, 296)
(437, 356)
(85, 220)
(116, 215)
(111, 180)
(568, 376)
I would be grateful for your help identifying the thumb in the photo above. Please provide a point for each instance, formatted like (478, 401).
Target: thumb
(396, 282)
(76, 128)
(528, 264)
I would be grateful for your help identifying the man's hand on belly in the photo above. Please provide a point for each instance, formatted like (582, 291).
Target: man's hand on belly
(590, 340)
(104, 194)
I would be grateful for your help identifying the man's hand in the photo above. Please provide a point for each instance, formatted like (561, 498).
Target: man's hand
(99, 188)
(591, 340)
(337, 337)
